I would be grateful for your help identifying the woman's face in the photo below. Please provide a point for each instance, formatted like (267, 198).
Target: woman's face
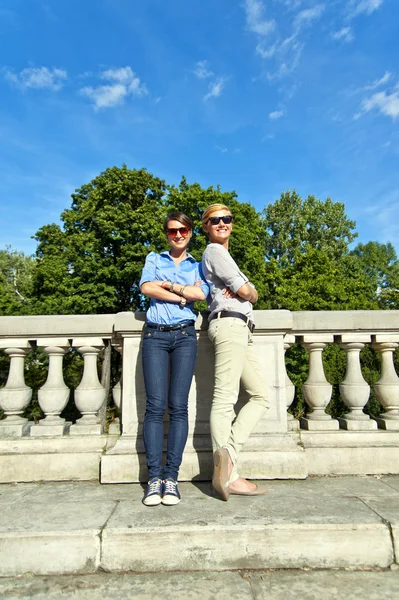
(219, 232)
(178, 235)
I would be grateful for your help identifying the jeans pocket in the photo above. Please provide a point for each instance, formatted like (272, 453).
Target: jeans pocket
(150, 333)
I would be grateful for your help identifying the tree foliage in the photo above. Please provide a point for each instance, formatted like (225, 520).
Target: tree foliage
(309, 264)
(16, 282)
(93, 264)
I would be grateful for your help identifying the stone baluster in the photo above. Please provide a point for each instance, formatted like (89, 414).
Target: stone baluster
(115, 426)
(316, 389)
(90, 394)
(292, 423)
(53, 396)
(15, 395)
(354, 390)
(387, 387)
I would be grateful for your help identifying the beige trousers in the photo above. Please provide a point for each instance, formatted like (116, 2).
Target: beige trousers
(235, 362)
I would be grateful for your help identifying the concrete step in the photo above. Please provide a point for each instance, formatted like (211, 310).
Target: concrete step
(225, 585)
(81, 527)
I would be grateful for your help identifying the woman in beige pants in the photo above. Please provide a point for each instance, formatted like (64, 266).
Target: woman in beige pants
(231, 328)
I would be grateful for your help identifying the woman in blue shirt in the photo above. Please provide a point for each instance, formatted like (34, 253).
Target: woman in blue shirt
(173, 281)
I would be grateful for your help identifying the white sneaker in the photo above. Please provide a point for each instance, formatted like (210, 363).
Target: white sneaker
(153, 495)
(171, 495)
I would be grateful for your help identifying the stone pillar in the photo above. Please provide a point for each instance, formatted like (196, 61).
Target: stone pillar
(15, 395)
(316, 390)
(90, 394)
(387, 387)
(354, 390)
(292, 423)
(53, 396)
(115, 426)
(132, 398)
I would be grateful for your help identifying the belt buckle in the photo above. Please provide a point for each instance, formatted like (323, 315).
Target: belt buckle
(162, 328)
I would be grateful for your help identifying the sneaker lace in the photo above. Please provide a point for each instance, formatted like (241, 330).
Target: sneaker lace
(170, 487)
(154, 487)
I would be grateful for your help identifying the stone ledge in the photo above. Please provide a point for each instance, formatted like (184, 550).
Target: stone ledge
(81, 527)
(270, 464)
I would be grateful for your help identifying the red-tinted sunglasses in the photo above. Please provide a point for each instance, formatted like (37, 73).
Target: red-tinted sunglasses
(182, 230)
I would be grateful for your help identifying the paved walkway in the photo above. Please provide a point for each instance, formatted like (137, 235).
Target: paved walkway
(227, 585)
(340, 522)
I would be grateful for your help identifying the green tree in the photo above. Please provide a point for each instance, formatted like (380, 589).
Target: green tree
(16, 282)
(93, 264)
(309, 265)
(381, 266)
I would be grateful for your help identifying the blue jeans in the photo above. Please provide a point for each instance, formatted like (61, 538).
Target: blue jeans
(168, 365)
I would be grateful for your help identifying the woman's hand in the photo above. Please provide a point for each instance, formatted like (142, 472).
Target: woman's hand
(228, 293)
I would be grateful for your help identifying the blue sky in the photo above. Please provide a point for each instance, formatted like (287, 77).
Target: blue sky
(257, 96)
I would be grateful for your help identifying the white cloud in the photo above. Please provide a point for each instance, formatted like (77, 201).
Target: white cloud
(378, 82)
(367, 7)
(345, 34)
(255, 18)
(386, 104)
(276, 114)
(222, 149)
(38, 77)
(215, 88)
(201, 70)
(288, 55)
(266, 52)
(306, 16)
(122, 83)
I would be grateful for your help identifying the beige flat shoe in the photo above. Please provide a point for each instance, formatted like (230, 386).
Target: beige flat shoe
(220, 473)
(260, 491)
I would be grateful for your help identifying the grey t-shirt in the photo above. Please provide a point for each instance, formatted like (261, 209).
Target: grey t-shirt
(221, 271)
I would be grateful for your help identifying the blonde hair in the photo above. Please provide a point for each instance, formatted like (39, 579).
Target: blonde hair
(212, 209)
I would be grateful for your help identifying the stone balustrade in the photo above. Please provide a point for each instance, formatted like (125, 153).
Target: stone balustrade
(280, 446)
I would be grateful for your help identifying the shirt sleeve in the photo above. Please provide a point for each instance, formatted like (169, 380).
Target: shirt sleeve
(200, 276)
(219, 261)
(148, 272)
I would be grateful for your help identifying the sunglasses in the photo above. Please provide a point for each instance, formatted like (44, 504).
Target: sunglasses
(182, 230)
(216, 220)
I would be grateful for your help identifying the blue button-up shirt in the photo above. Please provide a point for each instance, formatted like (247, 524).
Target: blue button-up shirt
(161, 266)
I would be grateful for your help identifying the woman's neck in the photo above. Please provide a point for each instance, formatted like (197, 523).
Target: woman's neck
(225, 244)
(178, 255)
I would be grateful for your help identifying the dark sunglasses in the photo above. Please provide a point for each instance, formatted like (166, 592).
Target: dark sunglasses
(216, 220)
(182, 230)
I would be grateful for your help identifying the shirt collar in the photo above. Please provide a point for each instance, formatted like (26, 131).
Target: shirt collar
(188, 257)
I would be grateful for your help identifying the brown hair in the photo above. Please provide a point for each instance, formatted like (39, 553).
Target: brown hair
(213, 208)
(178, 216)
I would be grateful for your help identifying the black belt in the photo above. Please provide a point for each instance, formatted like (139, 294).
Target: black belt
(182, 325)
(236, 315)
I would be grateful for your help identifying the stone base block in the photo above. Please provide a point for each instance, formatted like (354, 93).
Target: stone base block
(293, 425)
(284, 464)
(49, 430)
(49, 553)
(285, 546)
(313, 425)
(361, 425)
(81, 466)
(14, 430)
(114, 428)
(94, 429)
(353, 461)
(388, 424)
